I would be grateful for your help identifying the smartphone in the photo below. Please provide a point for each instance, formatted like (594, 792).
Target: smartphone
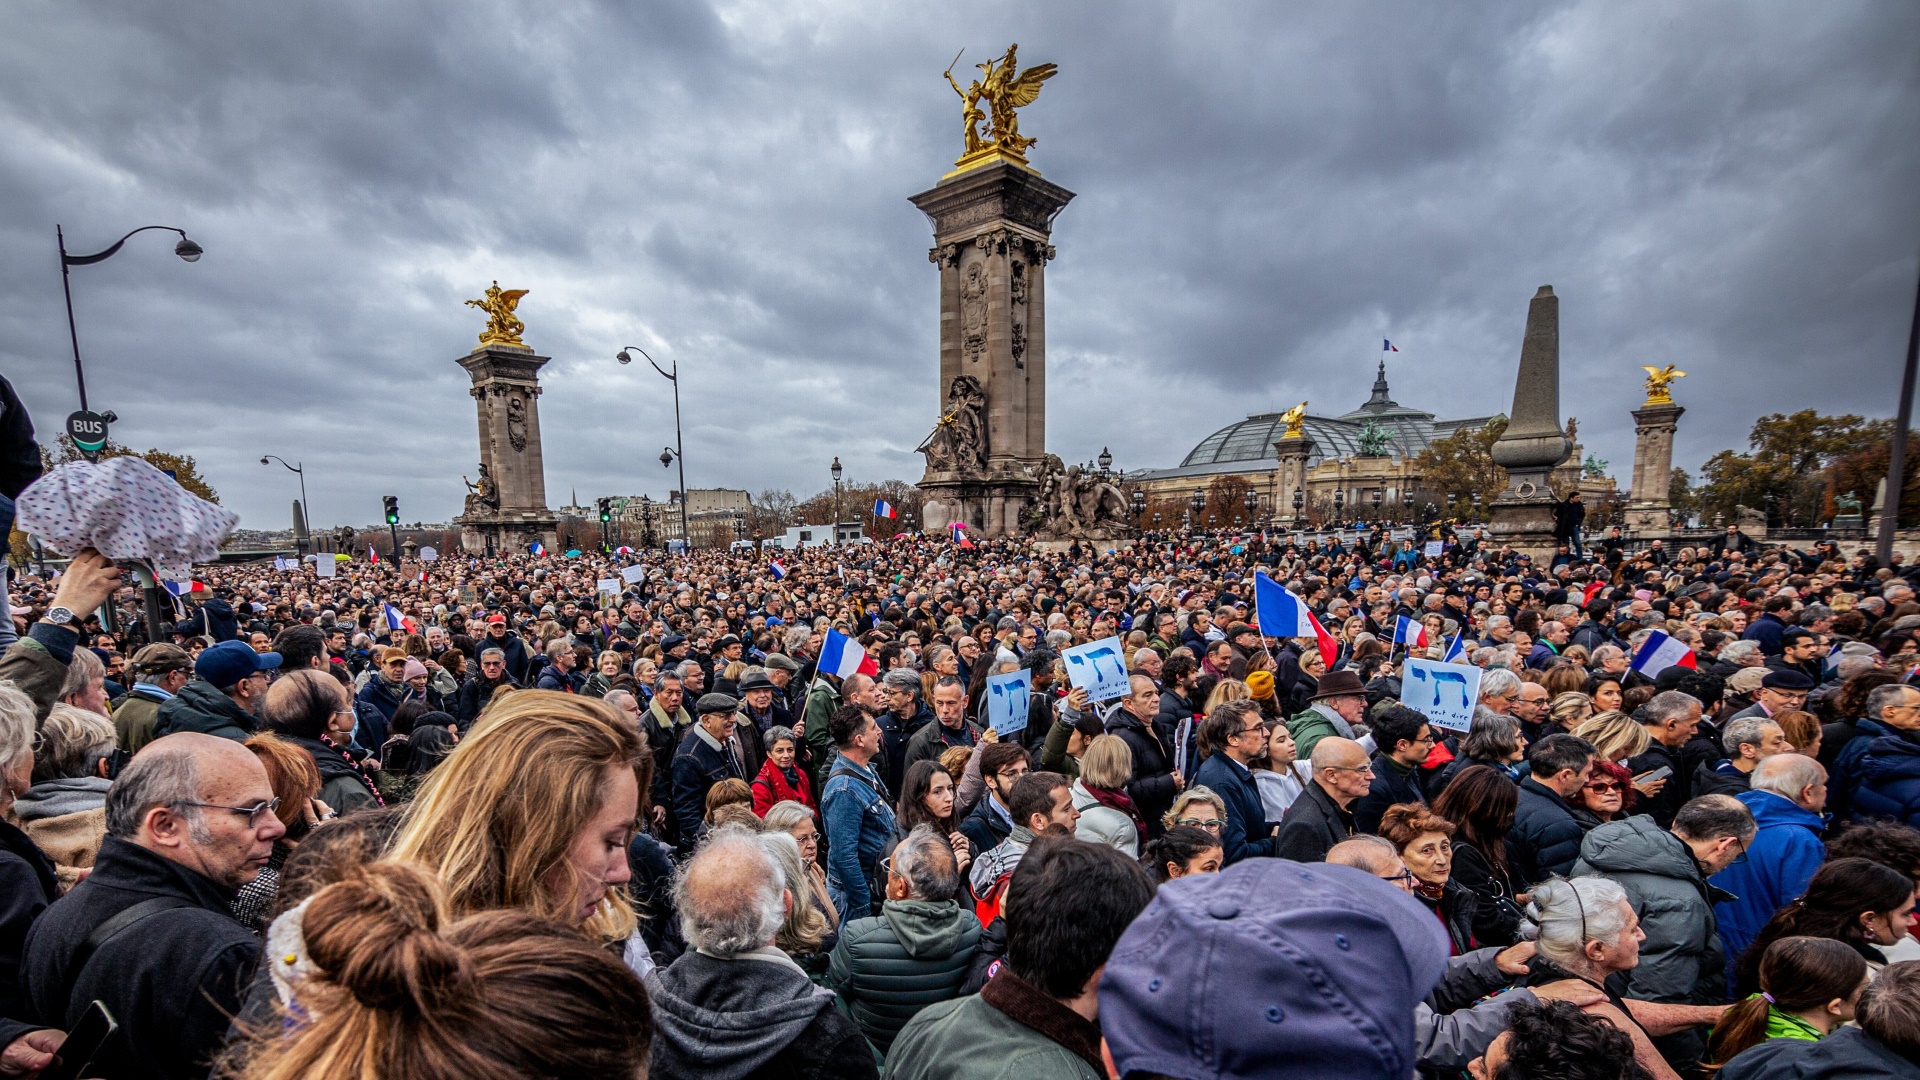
(83, 1044)
(1660, 773)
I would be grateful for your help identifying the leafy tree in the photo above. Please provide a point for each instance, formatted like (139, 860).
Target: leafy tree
(1460, 466)
(183, 467)
(1680, 492)
(1785, 471)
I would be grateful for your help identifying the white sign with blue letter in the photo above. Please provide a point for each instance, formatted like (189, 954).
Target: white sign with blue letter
(1099, 668)
(1007, 698)
(1444, 693)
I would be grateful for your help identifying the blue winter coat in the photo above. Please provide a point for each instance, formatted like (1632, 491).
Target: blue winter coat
(1247, 831)
(1785, 852)
(1889, 784)
(1850, 765)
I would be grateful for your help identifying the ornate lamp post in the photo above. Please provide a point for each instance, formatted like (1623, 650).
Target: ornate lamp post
(646, 522)
(1195, 506)
(1299, 504)
(1253, 505)
(837, 473)
(675, 452)
(1139, 502)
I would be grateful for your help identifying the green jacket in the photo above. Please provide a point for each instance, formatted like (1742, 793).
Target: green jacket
(970, 1038)
(1053, 753)
(32, 665)
(1308, 727)
(822, 699)
(133, 720)
(888, 967)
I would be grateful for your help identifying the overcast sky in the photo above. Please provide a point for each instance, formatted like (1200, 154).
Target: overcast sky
(1265, 191)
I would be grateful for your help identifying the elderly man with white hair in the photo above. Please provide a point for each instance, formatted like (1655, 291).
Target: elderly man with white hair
(733, 1003)
(1787, 794)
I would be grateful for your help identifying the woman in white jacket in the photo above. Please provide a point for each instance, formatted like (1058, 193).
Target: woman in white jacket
(1107, 815)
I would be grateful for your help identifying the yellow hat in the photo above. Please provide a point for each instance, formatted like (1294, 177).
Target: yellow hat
(1260, 684)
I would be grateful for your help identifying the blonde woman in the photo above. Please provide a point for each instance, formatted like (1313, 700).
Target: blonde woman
(1614, 734)
(1107, 814)
(1199, 807)
(1569, 710)
(1224, 691)
(533, 812)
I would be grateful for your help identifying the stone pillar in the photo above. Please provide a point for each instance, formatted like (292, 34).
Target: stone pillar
(506, 394)
(1653, 429)
(1534, 442)
(1291, 476)
(991, 227)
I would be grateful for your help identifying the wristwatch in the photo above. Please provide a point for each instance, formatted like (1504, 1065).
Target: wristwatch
(58, 616)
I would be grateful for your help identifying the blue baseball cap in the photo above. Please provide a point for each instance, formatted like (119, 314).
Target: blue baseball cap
(230, 661)
(1272, 968)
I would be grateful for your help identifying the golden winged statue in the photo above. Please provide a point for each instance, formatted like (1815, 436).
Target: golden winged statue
(1295, 419)
(1004, 88)
(1658, 382)
(502, 327)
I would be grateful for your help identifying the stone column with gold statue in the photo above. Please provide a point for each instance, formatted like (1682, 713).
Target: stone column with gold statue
(992, 217)
(1294, 448)
(506, 506)
(1654, 423)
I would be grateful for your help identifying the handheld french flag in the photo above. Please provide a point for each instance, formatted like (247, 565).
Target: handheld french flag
(1410, 633)
(536, 548)
(1456, 648)
(1387, 346)
(1281, 614)
(779, 570)
(182, 588)
(841, 655)
(883, 509)
(1660, 652)
(372, 555)
(395, 620)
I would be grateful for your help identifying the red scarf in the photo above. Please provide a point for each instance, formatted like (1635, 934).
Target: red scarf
(1117, 800)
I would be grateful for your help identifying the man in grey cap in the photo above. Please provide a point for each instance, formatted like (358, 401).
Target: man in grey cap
(705, 756)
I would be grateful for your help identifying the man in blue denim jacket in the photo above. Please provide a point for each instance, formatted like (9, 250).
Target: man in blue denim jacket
(859, 821)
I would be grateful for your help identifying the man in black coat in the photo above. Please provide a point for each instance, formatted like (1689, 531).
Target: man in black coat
(189, 822)
(1545, 838)
(477, 691)
(1319, 818)
(990, 821)
(1405, 738)
(1670, 719)
(1155, 778)
(705, 756)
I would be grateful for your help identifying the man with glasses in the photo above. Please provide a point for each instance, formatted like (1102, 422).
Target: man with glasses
(1665, 877)
(1319, 818)
(1238, 736)
(990, 821)
(477, 692)
(229, 686)
(150, 933)
(1405, 739)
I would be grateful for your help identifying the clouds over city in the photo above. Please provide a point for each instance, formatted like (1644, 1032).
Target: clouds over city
(1265, 191)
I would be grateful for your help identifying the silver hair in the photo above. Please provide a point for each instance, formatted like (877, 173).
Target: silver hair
(1364, 851)
(785, 852)
(786, 814)
(777, 733)
(484, 653)
(796, 638)
(1746, 731)
(1882, 696)
(726, 924)
(666, 675)
(925, 860)
(1787, 775)
(686, 667)
(1497, 682)
(902, 679)
(75, 740)
(1607, 652)
(85, 670)
(1571, 912)
(1666, 705)
(1738, 652)
(16, 724)
(1498, 620)
(153, 779)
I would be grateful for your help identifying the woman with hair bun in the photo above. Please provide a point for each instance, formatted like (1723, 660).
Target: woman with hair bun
(386, 983)
(1859, 903)
(533, 812)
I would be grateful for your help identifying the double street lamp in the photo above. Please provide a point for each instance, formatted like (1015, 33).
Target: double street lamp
(673, 453)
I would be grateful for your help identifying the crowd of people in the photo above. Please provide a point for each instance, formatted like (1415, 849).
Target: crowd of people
(641, 815)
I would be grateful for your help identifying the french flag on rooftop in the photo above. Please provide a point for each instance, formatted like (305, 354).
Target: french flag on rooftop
(778, 568)
(883, 509)
(843, 656)
(1387, 346)
(1410, 633)
(1282, 614)
(1660, 652)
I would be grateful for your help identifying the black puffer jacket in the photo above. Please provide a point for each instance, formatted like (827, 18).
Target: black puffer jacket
(200, 707)
(1545, 838)
(1152, 788)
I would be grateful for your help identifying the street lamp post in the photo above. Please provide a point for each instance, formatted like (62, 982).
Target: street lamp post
(306, 513)
(1253, 505)
(1139, 508)
(676, 452)
(1299, 504)
(646, 522)
(186, 249)
(837, 472)
(1196, 505)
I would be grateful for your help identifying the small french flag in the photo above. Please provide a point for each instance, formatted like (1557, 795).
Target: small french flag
(395, 620)
(841, 655)
(1456, 649)
(372, 555)
(883, 509)
(1660, 652)
(779, 570)
(182, 588)
(1387, 346)
(536, 548)
(1410, 633)
(1281, 614)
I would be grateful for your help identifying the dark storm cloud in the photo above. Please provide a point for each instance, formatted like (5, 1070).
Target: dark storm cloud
(1265, 191)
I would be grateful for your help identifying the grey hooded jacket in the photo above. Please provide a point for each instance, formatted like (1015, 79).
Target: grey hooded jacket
(1681, 960)
(754, 1016)
(58, 798)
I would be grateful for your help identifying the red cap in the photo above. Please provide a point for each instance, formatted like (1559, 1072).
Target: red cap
(496, 617)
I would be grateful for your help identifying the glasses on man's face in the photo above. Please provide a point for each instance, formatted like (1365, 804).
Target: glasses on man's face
(1364, 770)
(1404, 879)
(251, 813)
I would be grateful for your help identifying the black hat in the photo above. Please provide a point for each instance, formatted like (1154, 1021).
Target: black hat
(756, 681)
(715, 703)
(672, 642)
(1786, 679)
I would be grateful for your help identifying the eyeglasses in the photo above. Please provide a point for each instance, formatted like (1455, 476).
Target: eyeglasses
(251, 813)
(1404, 878)
(1363, 769)
(1604, 785)
(1210, 824)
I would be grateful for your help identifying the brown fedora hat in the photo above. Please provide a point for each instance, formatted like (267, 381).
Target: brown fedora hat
(1342, 683)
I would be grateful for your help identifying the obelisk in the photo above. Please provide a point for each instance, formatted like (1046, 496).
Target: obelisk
(1534, 442)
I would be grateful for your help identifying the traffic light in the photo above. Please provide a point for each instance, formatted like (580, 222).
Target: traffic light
(606, 510)
(392, 504)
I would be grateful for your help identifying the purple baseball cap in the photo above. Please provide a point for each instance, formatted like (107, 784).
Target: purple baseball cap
(1272, 969)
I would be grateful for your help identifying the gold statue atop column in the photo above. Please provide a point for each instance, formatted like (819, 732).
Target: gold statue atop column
(1658, 382)
(1004, 88)
(502, 327)
(1296, 420)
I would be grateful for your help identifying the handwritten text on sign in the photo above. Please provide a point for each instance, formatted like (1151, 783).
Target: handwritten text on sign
(1007, 697)
(1445, 693)
(1099, 668)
